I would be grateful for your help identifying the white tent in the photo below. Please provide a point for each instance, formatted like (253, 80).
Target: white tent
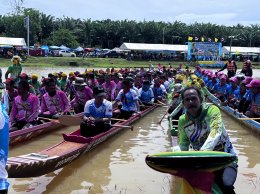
(240, 50)
(12, 41)
(153, 47)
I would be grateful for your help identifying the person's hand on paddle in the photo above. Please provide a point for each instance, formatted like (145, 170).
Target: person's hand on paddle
(89, 120)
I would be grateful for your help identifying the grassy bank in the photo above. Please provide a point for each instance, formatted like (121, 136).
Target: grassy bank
(93, 62)
(87, 62)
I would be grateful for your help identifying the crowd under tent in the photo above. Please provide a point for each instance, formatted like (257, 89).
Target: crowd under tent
(240, 50)
(12, 41)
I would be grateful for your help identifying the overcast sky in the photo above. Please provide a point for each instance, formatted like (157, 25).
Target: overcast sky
(226, 12)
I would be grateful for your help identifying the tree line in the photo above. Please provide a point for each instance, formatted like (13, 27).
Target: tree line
(47, 29)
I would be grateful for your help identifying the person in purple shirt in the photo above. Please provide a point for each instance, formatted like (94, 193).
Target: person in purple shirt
(82, 95)
(55, 102)
(25, 108)
(110, 88)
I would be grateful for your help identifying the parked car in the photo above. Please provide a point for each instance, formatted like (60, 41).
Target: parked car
(63, 53)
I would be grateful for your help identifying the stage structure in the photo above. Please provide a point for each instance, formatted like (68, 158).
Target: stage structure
(206, 54)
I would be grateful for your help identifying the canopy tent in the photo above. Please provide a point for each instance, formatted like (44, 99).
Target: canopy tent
(54, 47)
(78, 49)
(240, 50)
(63, 47)
(153, 47)
(119, 50)
(12, 41)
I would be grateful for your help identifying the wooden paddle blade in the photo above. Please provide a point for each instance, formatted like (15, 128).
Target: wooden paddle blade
(70, 120)
(248, 118)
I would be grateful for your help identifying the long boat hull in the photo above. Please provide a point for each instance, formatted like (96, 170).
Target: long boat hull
(23, 135)
(251, 124)
(72, 147)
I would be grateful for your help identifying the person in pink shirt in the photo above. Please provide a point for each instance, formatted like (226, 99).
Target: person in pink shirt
(117, 78)
(92, 81)
(110, 88)
(54, 101)
(10, 92)
(25, 108)
(82, 95)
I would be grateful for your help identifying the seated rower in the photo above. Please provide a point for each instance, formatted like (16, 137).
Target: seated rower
(97, 114)
(25, 108)
(201, 128)
(9, 94)
(254, 99)
(146, 94)
(159, 90)
(54, 101)
(129, 99)
(82, 95)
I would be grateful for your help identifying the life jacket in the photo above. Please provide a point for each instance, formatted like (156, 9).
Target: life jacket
(246, 66)
(231, 66)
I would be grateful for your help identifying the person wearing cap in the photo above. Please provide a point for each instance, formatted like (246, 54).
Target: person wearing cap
(159, 90)
(97, 114)
(131, 81)
(15, 69)
(220, 90)
(63, 82)
(146, 95)
(231, 68)
(9, 94)
(213, 80)
(35, 83)
(92, 81)
(254, 99)
(176, 99)
(110, 87)
(129, 99)
(117, 78)
(240, 97)
(54, 101)
(247, 68)
(25, 108)
(82, 95)
(230, 93)
(25, 77)
(70, 88)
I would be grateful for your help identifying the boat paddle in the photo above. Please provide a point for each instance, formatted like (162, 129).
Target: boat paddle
(71, 120)
(51, 120)
(248, 118)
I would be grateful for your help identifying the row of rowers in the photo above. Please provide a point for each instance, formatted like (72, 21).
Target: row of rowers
(239, 92)
(53, 100)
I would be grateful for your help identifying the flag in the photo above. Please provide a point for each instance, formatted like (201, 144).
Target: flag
(216, 39)
(196, 38)
(190, 38)
(202, 39)
(209, 39)
(222, 39)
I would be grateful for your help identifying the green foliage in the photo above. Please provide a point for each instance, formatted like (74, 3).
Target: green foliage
(71, 32)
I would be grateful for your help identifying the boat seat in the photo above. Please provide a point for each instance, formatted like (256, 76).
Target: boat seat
(77, 138)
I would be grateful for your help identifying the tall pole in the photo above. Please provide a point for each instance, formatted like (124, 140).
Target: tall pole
(28, 37)
(163, 35)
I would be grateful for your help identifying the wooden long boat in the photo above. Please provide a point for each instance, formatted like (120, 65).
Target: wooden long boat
(251, 124)
(72, 147)
(26, 134)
